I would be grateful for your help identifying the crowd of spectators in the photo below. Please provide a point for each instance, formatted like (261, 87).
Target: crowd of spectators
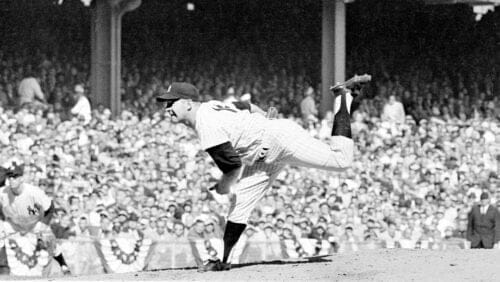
(145, 176)
(416, 173)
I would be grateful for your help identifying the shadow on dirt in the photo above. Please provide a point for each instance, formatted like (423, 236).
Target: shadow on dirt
(325, 258)
(296, 261)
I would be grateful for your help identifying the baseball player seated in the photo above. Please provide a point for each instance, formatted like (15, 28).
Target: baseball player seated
(250, 149)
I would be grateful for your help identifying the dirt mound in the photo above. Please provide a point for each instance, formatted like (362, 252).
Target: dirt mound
(378, 265)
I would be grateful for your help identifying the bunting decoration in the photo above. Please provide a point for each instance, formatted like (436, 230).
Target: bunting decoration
(125, 255)
(26, 257)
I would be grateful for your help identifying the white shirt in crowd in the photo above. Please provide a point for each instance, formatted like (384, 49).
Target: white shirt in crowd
(484, 209)
(82, 108)
(29, 88)
(394, 112)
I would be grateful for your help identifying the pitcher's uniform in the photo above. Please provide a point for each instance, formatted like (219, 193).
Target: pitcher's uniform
(265, 147)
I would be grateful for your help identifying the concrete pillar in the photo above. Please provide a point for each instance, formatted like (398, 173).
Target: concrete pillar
(105, 76)
(332, 50)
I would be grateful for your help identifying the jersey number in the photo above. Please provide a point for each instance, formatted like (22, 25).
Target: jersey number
(224, 108)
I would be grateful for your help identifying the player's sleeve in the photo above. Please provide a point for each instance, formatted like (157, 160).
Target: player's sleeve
(242, 105)
(225, 157)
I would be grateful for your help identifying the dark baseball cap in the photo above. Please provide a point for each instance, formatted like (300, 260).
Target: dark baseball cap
(16, 171)
(179, 90)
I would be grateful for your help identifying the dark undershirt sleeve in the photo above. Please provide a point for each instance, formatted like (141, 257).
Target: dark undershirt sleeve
(47, 215)
(225, 157)
(242, 105)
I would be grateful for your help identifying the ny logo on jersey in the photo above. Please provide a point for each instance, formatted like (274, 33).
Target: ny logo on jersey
(33, 210)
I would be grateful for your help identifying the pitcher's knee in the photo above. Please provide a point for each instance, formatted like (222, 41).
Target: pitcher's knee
(341, 162)
(345, 162)
(348, 159)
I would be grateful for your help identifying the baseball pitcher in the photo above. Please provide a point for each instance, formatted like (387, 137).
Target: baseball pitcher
(251, 150)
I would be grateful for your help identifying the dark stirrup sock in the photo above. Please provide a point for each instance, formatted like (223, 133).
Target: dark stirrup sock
(356, 101)
(231, 235)
(60, 259)
(342, 120)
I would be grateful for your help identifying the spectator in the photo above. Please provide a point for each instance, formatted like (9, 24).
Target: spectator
(61, 226)
(308, 107)
(30, 92)
(212, 230)
(483, 229)
(179, 231)
(391, 236)
(82, 107)
(394, 111)
(82, 229)
(197, 232)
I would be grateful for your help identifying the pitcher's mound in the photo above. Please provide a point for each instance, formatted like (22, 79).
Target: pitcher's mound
(377, 265)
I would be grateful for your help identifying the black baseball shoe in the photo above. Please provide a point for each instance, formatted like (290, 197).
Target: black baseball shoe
(65, 270)
(211, 265)
(224, 266)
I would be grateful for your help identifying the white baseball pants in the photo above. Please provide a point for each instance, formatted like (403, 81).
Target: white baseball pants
(285, 142)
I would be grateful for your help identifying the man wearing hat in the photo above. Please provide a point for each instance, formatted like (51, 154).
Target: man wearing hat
(251, 150)
(25, 206)
(483, 229)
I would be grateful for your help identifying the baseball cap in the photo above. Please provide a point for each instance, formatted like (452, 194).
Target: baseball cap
(16, 171)
(179, 90)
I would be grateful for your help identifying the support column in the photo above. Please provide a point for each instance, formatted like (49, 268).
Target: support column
(105, 76)
(332, 50)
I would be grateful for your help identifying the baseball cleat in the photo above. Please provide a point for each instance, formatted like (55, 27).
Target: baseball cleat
(224, 266)
(212, 265)
(65, 270)
(354, 84)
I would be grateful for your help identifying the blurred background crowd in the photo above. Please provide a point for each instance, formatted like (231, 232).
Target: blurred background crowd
(427, 139)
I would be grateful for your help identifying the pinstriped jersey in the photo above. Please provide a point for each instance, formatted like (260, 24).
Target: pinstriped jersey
(25, 210)
(218, 123)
